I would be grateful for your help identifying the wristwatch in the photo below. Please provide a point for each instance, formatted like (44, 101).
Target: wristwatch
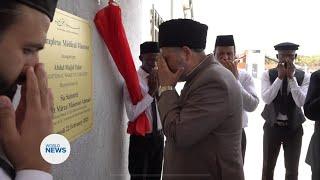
(164, 88)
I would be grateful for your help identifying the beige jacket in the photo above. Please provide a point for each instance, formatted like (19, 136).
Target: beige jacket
(203, 126)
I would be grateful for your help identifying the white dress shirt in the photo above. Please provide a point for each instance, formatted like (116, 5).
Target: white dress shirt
(250, 99)
(28, 174)
(133, 111)
(270, 91)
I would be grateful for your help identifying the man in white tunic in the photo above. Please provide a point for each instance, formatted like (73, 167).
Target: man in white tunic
(225, 53)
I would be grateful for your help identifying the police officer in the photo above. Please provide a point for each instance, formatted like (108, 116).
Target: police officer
(284, 91)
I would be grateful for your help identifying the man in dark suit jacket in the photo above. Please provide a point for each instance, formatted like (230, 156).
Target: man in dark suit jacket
(312, 111)
(203, 125)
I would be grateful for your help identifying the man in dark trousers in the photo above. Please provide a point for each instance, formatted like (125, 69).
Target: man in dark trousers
(284, 91)
(146, 152)
(312, 111)
(23, 28)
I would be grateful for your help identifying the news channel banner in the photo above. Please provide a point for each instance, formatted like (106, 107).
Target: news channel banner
(55, 149)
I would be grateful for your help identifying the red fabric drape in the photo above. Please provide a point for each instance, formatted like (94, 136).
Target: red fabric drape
(109, 24)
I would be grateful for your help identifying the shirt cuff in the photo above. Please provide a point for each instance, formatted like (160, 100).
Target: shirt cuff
(149, 98)
(293, 83)
(277, 84)
(278, 80)
(33, 175)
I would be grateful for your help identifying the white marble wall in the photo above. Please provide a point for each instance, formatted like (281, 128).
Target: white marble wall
(102, 153)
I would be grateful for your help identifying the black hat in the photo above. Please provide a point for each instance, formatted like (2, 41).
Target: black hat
(224, 40)
(183, 32)
(45, 6)
(286, 46)
(149, 47)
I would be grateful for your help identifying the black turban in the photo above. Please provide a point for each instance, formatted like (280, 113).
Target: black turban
(224, 40)
(47, 7)
(183, 32)
(149, 47)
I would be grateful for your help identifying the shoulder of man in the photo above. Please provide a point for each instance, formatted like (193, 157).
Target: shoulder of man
(216, 73)
(316, 74)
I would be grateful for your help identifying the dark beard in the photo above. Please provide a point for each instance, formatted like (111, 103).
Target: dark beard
(9, 92)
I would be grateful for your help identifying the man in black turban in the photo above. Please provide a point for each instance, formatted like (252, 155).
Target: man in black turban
(284, 90)
(202, 125)
(225, 53)
(23, 28)
(146, 152)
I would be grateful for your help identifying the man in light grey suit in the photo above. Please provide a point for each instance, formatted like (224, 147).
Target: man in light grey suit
(203, 125)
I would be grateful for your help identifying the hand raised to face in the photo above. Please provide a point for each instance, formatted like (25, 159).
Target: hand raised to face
(165, 76)
(30, 124)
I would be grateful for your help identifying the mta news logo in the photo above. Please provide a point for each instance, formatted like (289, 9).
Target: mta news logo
(55, 149)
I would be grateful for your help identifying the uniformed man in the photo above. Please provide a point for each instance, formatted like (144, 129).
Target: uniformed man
(23, 28)
(284, 91)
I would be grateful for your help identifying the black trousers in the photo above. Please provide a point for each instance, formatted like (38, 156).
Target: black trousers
(243, 144)
(315, 174)
(146, 157)
(291, 141)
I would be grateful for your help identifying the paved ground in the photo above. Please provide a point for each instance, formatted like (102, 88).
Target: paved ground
(254, 132)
